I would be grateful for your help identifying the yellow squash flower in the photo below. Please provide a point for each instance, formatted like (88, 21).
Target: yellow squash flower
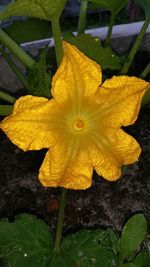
(81, 125)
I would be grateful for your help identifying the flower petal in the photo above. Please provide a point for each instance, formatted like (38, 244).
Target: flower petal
(67, 165)
(103, 160)
(76, 77)
(119, 100)
(33, 124)
(112, 149)
(125, 146)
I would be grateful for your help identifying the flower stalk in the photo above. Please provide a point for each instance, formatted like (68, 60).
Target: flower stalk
(109, 33)
(57, 39)
(135, 47)
(145, 71)
(15, 69)
(60, 222)
(61, 213)
(16, 50)
(7, 97)
(82, 17)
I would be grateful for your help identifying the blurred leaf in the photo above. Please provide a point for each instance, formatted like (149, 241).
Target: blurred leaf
(38, 78)
(25, 242)
(63, 260)
(133, 234)
(146, 98)
(93, 48)
(6, 110)
(90, 248)
(145, 5)
(128, 265)
(142, 259)
(113, 5)
(28, 30)
(47, 9)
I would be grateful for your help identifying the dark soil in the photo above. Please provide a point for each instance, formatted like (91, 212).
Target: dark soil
(104, 204)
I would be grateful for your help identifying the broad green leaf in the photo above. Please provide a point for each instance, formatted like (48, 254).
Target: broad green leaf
(93, 48)
(62, 260)
(113, 5)
(145, 5)
(90, 248)
(142, 259)
(133, 234)
(47, 9)
(39, 29)
(25, 242)
(38, 78)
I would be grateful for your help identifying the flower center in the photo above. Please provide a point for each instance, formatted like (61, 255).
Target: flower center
(78, 125)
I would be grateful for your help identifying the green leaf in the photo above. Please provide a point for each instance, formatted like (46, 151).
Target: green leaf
(113, 238)
(128, 265)
(133, 234)
(25, 242)
(142, 259)
(39, 29)
(113, 5)
(47, 9)
(90, 248)
(6, 110)
(93, 48)
(145, 5)
(146, 98)
(38, 78)
(63, 260)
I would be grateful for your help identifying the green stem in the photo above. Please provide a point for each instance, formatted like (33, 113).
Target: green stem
(109, 33)
(82, 17)
(145, 71)
(15, 69)
(25, 59)
(7, 97)
(57, 39)
(59, 55)
(135, 46)
(5, 110)
(60, 222)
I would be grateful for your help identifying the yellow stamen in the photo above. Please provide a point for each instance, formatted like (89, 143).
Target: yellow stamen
(78, 125)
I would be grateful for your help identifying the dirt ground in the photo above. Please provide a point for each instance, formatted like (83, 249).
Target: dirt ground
(104, 204)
